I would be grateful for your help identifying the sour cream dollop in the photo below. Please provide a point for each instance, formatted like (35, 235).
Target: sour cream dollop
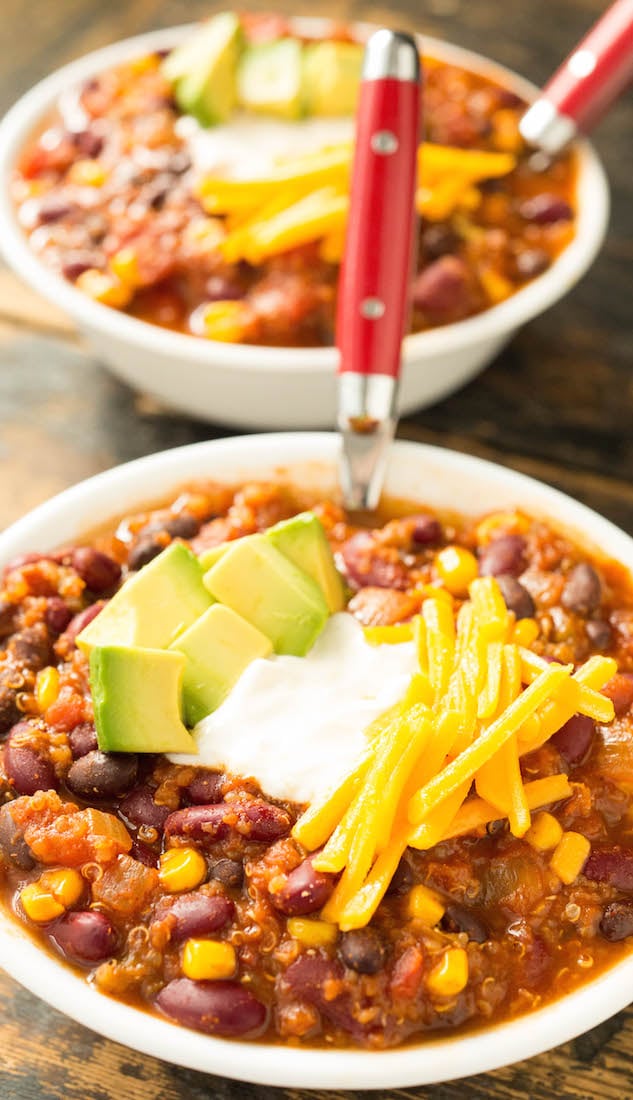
(297, 724)
(248, 146)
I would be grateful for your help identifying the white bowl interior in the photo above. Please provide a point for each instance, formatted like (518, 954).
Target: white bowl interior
(424, 474)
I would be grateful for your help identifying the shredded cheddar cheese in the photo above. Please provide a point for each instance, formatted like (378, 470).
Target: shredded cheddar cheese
(476, 704)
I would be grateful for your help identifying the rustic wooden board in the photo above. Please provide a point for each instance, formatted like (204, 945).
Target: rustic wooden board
(557, 404)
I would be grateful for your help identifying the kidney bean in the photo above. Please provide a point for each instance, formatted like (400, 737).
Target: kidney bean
(8, 613)
(531, 262)
(617, 921)
(219, 288)
(427, 530)
(143, 552)
(613, 865)
(82, 739)
(437, 240)
(573, 740)
(31, 648)
(304, 891)
(441, 287)
(368, 565)
(88, 143)
(99, 571)
(196, 915)
(102, 774)
(362, 950)
(12, 843)
(599, 634)
(217, 1008)
(140, 809)
(87, 936)
(206, 788)
(583, 591)
(504, 555)
(57, 615)
(254, 820)
(516, 596)
(77, 261)
(311, 978)
(230, 872)
(620, 691)
(24, 559)
(545, 209)
(144, 854)
(80, 622)
(458, 918)
(27, 769)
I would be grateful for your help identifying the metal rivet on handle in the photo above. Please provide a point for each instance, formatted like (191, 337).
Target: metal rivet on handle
(372, 308)
(384, 142)
(582, 63)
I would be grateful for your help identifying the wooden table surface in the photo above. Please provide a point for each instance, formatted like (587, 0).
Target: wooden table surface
(557, 404)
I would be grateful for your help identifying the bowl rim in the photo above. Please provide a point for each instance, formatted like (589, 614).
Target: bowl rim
(434, 1059)
(492, 323)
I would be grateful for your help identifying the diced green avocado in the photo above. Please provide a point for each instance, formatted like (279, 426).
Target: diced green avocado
(303, 540)
(218, 647)
(136, 695)
(203, 70)
(209, 557)
(268, 590)
(331, 77)
(270, 78)
(154, 606)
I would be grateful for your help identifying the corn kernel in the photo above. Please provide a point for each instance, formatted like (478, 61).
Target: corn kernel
(496, 286)
(46, 687)
(87, 173)
(224, 321)
(389, 635)
(544, 833)
(570, 856)
(505, 131)
(39, 904)
(65, 885)
(124, 264)
(182, 869)
(312, 933)
(147, 64)
(456, 568)
(450, 975)
(525, 632)
(425, 905)
(208, 960)
(104, 288)
(501, 523)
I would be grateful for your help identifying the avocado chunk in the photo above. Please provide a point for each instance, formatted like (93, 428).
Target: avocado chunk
(218, 648)
(154, 606)
(268, 590)
(209, 557)
(136, 696)
(331, 77)
(303, 540)
(270, 78)
(203, 70)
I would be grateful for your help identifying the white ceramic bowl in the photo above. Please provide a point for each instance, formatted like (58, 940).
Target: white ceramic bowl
(264, 387)
(425, 474)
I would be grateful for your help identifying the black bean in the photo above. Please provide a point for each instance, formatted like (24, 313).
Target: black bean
(9, 710)
(531, 262)
(217, 1008)
(57, 615)
(144, 551)
(12, 843)
(82, 739)
(583, 591)
(617, 921)
(98, 571)
(545, 209)
(599, 634)
(184, 526)
(437, 240)
(458, 918)
(516, 596)
(362, 950)
(402, 879)
(230, 872)
(102, 774)
(505, 554)
(84, 937)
